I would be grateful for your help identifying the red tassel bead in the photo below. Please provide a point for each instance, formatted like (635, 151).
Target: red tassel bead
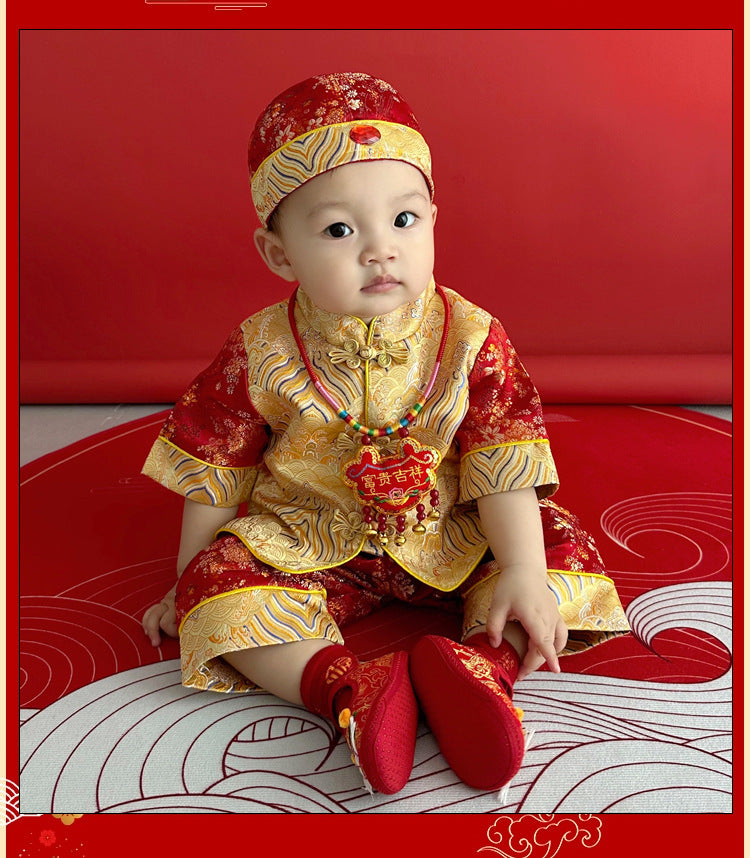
(382, 528)
(368, 520)
(421, 515)
(434, 503)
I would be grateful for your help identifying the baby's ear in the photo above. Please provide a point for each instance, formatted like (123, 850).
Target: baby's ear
(271, 250)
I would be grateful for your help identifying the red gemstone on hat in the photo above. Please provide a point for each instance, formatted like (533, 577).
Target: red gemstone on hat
(365, 135)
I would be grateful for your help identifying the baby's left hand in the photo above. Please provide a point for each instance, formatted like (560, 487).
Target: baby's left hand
(522, 594)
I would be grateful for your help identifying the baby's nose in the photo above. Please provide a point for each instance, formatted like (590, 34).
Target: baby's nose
(378, 247)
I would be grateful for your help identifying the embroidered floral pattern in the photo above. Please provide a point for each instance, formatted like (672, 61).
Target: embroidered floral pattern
(307, 130)
(486, 672)
(368, 681)
(332, 96)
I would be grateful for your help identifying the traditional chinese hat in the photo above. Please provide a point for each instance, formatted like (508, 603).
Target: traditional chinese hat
(327, 121)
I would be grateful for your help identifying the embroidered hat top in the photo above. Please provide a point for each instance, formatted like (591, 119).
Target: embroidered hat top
(327, 121)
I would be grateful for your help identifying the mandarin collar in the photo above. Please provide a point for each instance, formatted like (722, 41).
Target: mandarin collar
(336, 328)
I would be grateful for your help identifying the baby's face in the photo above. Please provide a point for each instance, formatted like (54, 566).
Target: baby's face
(359, 239)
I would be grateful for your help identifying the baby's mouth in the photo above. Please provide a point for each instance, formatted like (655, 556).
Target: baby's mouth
(383, 283)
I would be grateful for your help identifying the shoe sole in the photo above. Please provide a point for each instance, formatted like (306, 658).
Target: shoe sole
(387, 743)
(477, 730)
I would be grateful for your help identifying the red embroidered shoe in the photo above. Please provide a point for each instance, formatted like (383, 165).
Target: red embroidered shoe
(373, 705)
(465, 693)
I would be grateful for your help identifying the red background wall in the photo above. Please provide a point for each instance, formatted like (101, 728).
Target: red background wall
(583, 185)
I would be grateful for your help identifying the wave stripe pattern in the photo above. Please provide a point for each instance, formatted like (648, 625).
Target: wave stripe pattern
(197, 480)
(504, 468)
(137, 742)
(244, 619)
(590, 607)
(696, 527)
(311, 155)
(324, 148)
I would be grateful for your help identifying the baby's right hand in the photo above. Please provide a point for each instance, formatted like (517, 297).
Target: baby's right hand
(161, 617)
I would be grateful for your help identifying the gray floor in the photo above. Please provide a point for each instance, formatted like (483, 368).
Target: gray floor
(45, 428)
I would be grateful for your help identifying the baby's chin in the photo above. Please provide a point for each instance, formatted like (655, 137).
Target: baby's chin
(389, 302)
(369, 304)
(366, 311)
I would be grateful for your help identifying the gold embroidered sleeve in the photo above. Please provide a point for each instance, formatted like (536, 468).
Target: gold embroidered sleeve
(197, 480)
(507, 467)
(502, 439)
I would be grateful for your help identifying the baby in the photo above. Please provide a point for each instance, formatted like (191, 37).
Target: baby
(374, 437)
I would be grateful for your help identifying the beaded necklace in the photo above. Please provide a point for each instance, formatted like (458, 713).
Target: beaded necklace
(394, 484)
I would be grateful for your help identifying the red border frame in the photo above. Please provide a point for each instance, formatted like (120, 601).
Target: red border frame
(453, 834)
(367, 836)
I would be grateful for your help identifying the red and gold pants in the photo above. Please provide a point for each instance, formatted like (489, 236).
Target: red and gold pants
(228, 600)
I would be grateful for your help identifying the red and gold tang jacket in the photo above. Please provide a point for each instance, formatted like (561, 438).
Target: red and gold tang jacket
(253, 430)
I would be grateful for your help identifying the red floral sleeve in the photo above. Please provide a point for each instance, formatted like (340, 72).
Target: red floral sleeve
(214, 438)
(502, 440)
(215, 420)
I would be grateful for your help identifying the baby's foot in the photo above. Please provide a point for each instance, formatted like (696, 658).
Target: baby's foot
(373, 705)
(465, 691)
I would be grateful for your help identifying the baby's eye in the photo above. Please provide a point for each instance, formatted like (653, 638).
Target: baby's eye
(338, 230)
(404, 219)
